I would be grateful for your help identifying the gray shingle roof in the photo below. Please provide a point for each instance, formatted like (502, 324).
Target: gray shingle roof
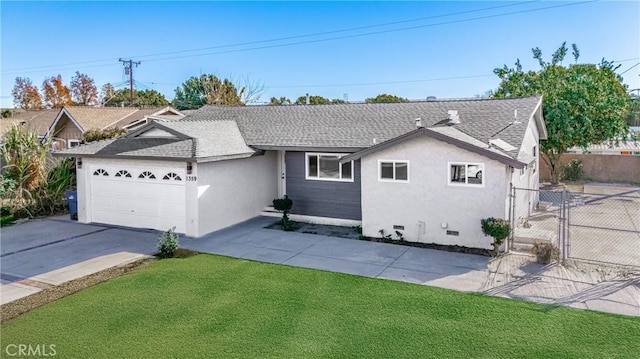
(135, 147)
(212, 138)
(227, 132)
(208, 140)
(357, 125)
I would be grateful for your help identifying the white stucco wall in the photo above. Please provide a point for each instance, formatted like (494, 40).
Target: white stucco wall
(232, 191)
(427, 200)
(529, 177)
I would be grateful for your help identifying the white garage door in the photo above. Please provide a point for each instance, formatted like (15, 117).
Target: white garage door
(138, 197)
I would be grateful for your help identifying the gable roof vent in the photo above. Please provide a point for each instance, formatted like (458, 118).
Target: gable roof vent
(453, 117)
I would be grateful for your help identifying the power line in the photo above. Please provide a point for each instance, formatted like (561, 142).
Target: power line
(382, 82)
(286, 37)
(372, 33)
(341, 37)
(625, 71)
(341, 30)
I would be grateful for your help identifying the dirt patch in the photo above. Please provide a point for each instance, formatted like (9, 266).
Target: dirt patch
(185, 253)
(48, 295)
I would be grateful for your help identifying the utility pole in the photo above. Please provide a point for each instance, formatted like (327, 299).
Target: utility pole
(128, 70)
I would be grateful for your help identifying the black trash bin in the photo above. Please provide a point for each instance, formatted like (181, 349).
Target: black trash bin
(72, 203)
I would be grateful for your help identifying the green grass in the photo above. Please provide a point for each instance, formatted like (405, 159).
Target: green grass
(210, 306)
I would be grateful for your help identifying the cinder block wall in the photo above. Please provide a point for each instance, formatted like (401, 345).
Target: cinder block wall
(601, 168)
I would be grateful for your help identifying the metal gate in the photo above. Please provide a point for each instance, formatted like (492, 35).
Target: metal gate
(602, 228)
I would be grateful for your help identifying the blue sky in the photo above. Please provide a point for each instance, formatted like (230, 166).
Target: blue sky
(411, 49)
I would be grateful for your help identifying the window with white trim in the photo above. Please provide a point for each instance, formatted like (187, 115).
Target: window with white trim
(389, 170)
(73, 143)
(471, 174)
(327, 167)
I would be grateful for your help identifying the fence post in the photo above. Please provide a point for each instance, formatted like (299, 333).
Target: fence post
(512, 213)
(567, 237)
(561, 238)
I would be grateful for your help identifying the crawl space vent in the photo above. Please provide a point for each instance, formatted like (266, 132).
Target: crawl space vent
(453, 233)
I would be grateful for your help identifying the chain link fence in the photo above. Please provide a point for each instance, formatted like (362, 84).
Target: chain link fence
(602, 228)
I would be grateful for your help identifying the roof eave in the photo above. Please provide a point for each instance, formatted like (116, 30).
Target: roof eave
(440, 137)
(224, 157)
(308, 148)
(130, 157)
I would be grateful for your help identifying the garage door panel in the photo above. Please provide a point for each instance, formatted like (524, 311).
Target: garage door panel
(138, 202)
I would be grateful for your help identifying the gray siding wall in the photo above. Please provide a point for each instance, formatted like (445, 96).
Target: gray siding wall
(322, 198)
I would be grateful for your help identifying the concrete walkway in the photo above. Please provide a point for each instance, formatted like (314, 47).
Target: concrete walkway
(41, 253)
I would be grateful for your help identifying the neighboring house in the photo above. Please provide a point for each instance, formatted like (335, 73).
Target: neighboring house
(430, 170)
(71, 122)
(619, 148)
(35, 120)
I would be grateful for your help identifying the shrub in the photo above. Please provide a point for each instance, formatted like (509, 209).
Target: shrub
(499, 229)
(572, 171)
(284, 204)
(168, 243)
(97, 134)
(545, 252)
(6, 220)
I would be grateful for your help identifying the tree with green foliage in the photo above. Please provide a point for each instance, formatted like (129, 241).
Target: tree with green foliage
(634, 115)
(313, 100)
(279, 101)
(141, 98)
(582, 103)
(318, 100)
(107, 92)
(207, 90)
(385, 98)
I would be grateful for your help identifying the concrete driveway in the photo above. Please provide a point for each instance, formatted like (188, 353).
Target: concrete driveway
(44, 252)
(51, 251)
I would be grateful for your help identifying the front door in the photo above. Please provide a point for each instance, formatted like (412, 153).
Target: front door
(282, 174)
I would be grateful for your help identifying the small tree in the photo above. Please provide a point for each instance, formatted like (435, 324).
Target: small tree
(284, 204)
(168, 243)
(499, 229)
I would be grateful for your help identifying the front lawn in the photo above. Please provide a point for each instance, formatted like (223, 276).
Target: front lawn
(210, 306)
